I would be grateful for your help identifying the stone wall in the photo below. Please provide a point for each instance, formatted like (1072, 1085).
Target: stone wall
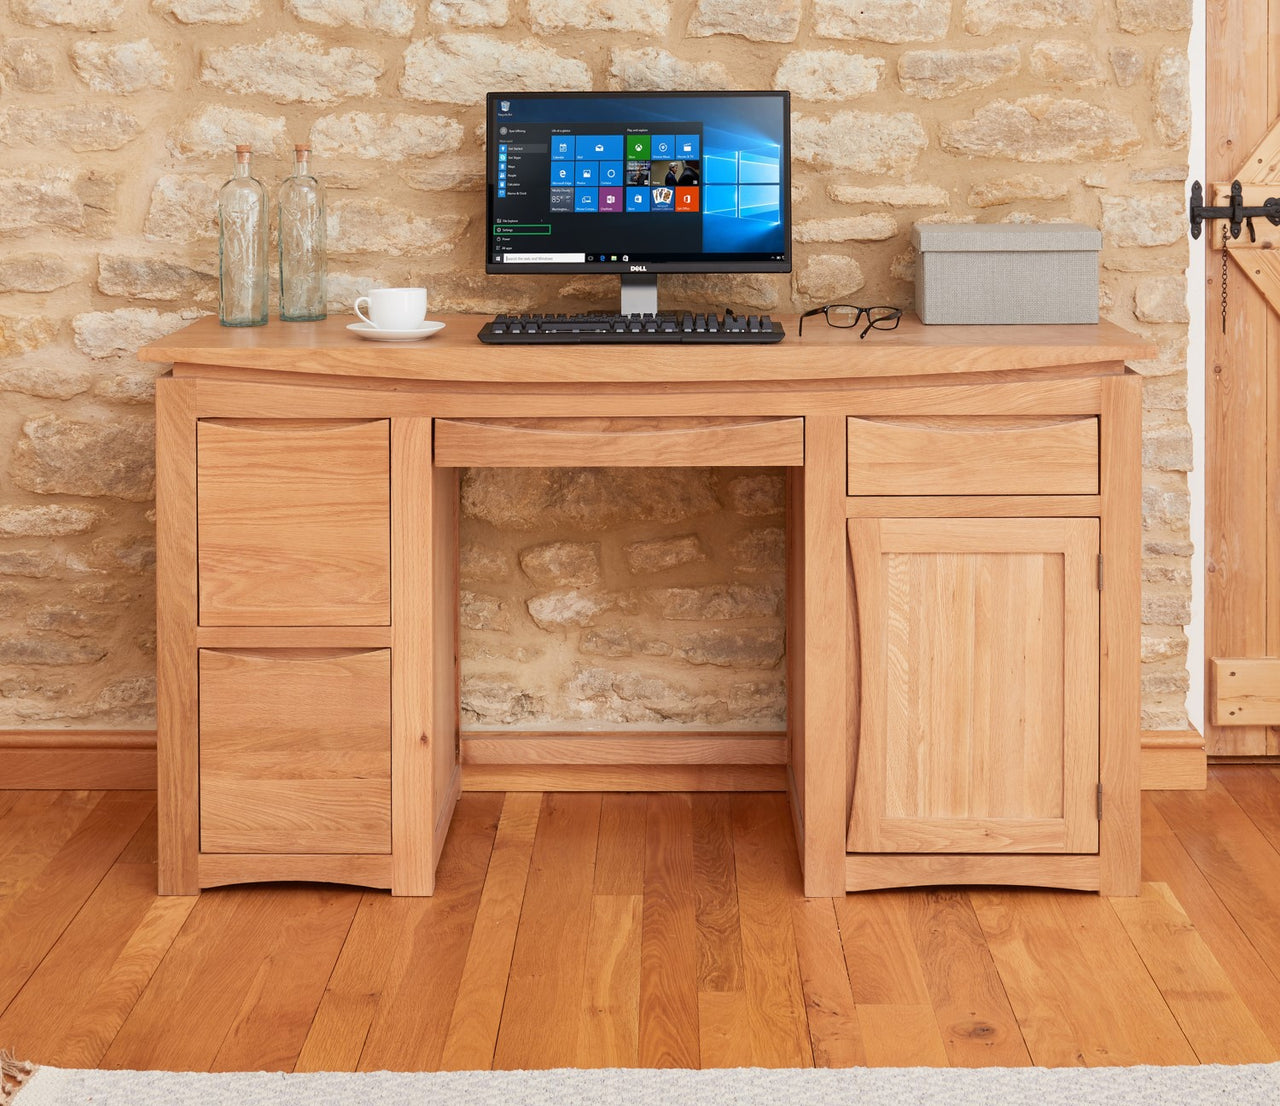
(626, 600)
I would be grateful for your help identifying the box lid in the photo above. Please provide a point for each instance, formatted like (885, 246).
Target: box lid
(1003, 237)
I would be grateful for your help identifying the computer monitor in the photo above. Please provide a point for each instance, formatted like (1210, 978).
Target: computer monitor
(638, 183)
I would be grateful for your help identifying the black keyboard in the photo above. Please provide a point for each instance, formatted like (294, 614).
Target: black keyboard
(662, 327)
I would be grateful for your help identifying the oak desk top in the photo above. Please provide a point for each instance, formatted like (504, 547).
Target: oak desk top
(327, 348)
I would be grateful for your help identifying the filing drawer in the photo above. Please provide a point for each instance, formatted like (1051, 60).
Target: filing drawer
(295, 751)
(973, 455)
(294, 522)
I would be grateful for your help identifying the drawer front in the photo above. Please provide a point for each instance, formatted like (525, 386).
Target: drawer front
(973, 455)
(294, 523)
(295, 751)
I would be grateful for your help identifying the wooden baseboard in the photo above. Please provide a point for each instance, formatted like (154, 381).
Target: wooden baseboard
(42, 760)
(1173, 760)
(77, 760)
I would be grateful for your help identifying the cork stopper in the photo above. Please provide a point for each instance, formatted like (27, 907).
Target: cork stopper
(243, 152)
(302, 147)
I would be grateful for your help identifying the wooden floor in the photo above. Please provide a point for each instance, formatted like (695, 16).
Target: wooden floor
(660, 930)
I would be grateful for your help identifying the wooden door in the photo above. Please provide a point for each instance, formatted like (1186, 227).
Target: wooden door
(1242, 393)
(979, 706)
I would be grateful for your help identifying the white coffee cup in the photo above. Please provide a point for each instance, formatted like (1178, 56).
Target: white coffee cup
(394, 308)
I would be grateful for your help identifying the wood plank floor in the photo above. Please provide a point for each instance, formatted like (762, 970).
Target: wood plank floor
(618, 930)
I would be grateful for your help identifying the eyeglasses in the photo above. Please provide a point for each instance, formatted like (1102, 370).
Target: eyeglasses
(845, 315)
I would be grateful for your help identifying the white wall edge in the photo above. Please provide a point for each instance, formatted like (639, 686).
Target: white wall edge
(1196, 374)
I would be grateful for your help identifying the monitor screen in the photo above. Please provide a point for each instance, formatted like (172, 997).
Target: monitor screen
(638, 182)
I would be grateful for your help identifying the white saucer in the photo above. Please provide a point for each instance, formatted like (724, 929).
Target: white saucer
(368, 330)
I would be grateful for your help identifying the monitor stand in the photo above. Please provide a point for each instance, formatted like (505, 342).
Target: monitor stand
(639, 294)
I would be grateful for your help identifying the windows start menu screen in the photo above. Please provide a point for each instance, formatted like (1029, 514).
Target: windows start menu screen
(596, 193)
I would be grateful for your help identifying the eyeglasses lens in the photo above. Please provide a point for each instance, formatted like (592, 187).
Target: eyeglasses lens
(842, 315)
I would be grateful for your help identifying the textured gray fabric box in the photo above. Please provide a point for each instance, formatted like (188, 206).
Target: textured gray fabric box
(1006, 273)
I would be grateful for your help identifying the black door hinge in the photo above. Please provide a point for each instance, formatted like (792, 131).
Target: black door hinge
(1235, 213)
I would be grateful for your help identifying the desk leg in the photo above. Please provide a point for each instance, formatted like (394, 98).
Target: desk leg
(824, 599)
(177, 720)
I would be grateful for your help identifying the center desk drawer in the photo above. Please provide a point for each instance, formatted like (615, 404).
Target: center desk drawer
(973, 455)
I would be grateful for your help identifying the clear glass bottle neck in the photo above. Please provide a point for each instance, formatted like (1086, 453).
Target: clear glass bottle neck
(300, 168)
(242, 166)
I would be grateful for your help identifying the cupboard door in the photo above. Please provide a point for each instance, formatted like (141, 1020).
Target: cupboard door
(295, 751)
(979, 704)
(294, 523)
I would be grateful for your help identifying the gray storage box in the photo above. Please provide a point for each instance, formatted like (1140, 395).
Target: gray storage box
(1006, 273)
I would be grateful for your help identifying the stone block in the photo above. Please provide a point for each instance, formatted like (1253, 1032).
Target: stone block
(461, 68)
(23, 333)
(293, 68)
(121, 67)
(859, 141)
(75, 622)
(1166, 446)
(155, 278)
(562, 563)
(215, 130)
(209, 11)
(125, 330)
(1127, 64)
(482, 612)
(661, 554)
(1172, 99)
(54, 379)
(848, 228)
(1064, 62)
(932, 74)
(48, 520)
(476, 563)
(1140, 16)
(27, 65)
(741, 647)
(1162, 643)
(376, 226)
(470, 13)
(494, 701)
(1165, 607)
(183, 208)
(82, 15)
(894, 195)
(630, 697)
(385, 137)
(83, 128)
(647, 68)
(817, 75)
(828, 278)
(30, 563)
(1043, 128)
(1144, 219)
(764, 21)
(883, 20)
(760, 550)
(715, 602)
(757, 495)
(981, 17)
(1162, 299)
(28, 650)
(569, 607)
(1008, 190)
(553, 17)
(388, 17)
(62, 456)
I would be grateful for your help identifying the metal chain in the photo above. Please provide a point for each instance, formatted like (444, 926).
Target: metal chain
(1225, 255)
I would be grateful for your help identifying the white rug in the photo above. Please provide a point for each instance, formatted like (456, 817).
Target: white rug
(1211, 1085)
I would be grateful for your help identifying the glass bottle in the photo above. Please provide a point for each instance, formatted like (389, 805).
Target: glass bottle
(302, 245)
(242, 248)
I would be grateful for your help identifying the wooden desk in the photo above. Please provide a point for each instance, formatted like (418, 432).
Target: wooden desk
(963, 583)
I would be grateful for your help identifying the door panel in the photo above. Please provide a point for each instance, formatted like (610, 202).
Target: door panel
(979, 728)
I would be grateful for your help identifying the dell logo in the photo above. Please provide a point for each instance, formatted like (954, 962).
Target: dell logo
(639, 268)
